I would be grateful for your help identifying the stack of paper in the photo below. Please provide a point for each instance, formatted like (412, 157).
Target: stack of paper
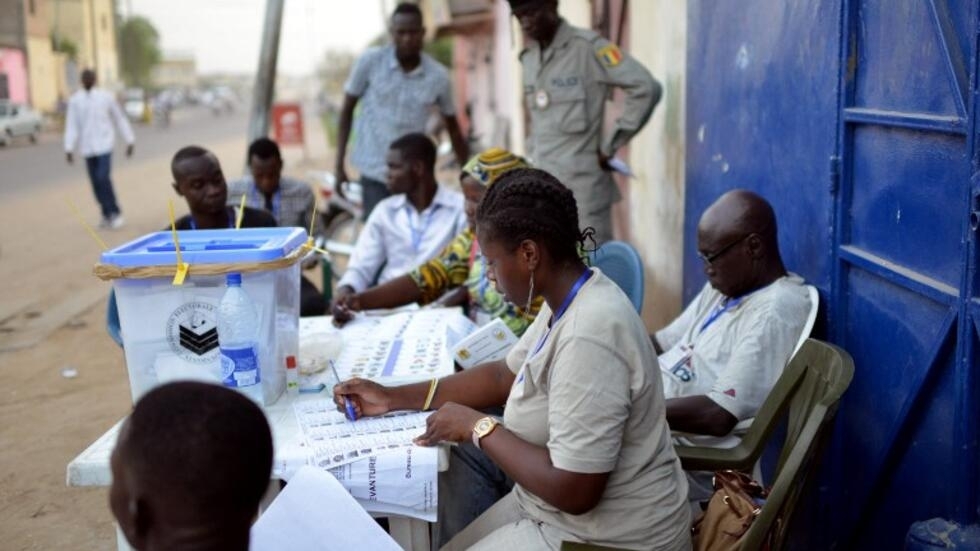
(486, 344)
(313, 513)
(374, 458)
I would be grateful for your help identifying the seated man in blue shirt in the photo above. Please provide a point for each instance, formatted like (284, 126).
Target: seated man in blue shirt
(290, 201)
(413, 225)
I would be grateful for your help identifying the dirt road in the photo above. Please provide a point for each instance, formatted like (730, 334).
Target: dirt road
(52, 319)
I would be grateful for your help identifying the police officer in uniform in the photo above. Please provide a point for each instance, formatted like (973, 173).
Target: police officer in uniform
(568, 73)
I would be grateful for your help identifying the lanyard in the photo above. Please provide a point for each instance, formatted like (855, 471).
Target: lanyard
(231, 220)
(419, 232)
(561, 310)
(554, 319)
(721, 309)
(260, 201)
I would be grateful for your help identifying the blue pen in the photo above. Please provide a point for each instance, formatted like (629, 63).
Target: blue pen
(351, 414)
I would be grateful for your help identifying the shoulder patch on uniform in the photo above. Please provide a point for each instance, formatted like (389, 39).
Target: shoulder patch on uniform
(609, 55)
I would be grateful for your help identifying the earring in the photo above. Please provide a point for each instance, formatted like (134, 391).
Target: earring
(530, 296)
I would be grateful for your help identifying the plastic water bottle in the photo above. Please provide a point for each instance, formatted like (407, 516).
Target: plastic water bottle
(238, 332)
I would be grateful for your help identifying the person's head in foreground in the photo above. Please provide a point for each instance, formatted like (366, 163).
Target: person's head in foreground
(265, 164)
(738, 244)
(411, 163)
(190, 466)
(198, 179)
(527, 225)
(480, 172)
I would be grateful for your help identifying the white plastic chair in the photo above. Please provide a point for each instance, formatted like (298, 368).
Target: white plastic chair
(811, 318)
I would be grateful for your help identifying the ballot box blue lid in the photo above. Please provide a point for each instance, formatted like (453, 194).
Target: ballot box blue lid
(208, 247)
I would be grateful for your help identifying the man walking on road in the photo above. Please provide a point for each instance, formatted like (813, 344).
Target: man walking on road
(89, 129)
(396, 86)
(568, 74)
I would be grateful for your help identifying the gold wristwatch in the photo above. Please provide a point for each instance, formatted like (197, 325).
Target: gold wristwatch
(482, 428)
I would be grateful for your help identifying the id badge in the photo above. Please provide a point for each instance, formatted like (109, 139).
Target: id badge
(676, 362)
(519, 388)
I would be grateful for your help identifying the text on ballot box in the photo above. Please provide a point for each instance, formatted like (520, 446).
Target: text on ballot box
(170, 332)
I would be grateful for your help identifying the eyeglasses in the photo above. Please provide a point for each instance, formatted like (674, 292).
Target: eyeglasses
(709, 258)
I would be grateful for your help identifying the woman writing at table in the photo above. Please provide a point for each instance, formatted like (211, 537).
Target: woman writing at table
(583, 435)
(458, 275)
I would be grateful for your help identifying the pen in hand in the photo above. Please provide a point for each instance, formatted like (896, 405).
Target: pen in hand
(348, 405)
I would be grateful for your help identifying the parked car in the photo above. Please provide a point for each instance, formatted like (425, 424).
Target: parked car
(17, 119)
(220, 99)
(134, 104)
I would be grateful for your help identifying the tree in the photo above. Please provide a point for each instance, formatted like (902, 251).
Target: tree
(139, 51)
(64, 46)
(441, 49)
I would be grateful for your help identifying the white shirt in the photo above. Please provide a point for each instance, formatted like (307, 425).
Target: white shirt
(738, 356)
(88, 124)
(397, 237)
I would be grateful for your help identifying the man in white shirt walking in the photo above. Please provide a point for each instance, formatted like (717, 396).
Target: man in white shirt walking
(89, 129)
(413, 225)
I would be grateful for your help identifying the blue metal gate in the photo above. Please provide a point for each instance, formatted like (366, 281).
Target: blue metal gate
(857, 120)
(901, 283)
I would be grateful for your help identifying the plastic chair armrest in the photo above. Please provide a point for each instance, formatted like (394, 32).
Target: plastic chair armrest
(700, 458)
(575, 546)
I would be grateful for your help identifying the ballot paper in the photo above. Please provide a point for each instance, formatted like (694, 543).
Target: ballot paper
(314, 513)
(457, 329)
(332, 440)
(488, 343)
(402, 482)
(399, 347)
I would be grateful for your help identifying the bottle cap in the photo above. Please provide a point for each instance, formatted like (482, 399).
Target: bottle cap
(233, 279)
(290, 362)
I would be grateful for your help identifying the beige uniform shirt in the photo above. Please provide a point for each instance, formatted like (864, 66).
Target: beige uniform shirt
(592, 395)
(565, 90)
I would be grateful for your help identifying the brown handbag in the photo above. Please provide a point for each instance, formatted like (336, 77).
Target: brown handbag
(736, 502)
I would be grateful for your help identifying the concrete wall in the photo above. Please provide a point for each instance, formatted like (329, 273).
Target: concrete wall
(14, 65)
(104, 39)
(91, 26)
(658, 38)
(576, 12)
(43, 69)
(68, 21)
(11, 23)
(36, 20)
(507, 71)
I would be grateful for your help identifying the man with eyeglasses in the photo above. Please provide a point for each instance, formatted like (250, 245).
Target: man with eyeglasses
(721, 357)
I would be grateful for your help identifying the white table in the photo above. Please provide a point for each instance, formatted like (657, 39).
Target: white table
(91, 467)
